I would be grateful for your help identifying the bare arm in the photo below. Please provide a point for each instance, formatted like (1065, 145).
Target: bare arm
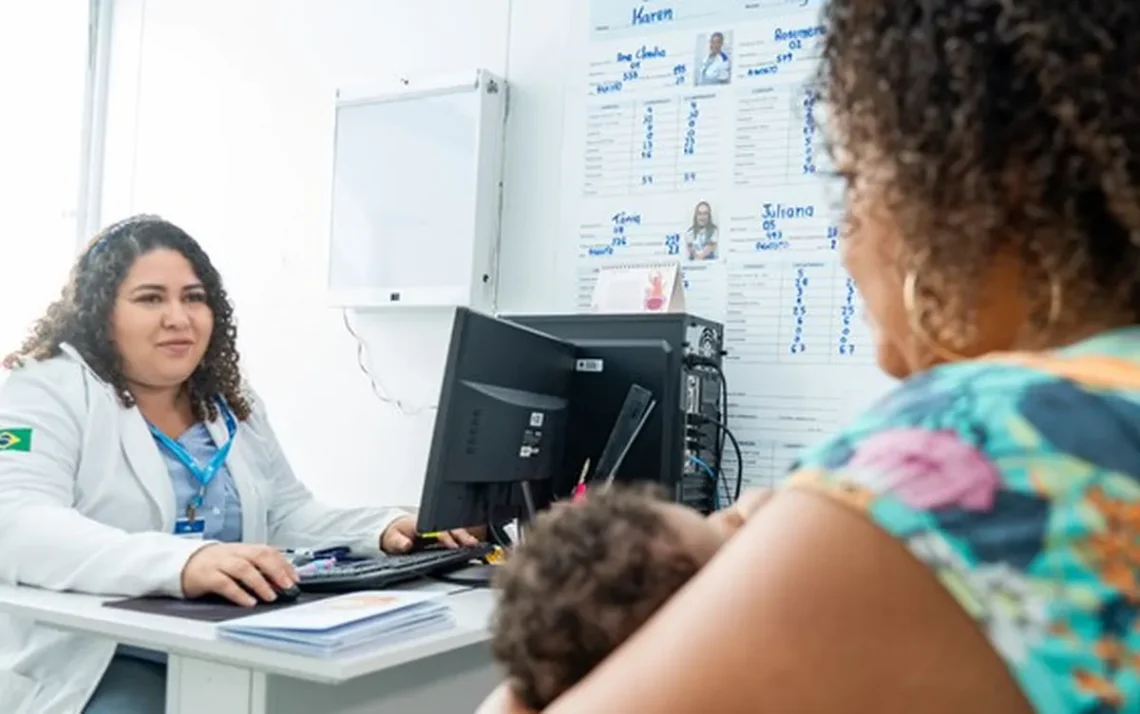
(731, 519)
(808, 609)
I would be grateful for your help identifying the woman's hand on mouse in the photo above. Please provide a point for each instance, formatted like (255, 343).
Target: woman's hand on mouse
(731, 519)
(400, 535)
(230, 569)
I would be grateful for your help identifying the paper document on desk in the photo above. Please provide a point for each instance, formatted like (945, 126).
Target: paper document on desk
(344, 623)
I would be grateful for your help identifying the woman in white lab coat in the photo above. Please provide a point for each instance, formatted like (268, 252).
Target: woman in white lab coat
(134, 461)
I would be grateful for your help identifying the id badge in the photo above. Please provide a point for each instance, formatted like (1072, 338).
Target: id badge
(194, 528)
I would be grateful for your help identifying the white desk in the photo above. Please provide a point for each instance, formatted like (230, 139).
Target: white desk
(437, 674)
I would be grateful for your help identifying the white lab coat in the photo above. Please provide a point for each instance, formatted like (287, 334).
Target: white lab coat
(90, 508)
(716, 69)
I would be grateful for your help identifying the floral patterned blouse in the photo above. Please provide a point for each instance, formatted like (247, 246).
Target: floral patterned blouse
(1016, 479)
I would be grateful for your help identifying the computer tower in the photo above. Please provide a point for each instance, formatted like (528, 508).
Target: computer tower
(679, 358)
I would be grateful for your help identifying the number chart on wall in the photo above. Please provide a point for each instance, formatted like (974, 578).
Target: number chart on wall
(702, 142)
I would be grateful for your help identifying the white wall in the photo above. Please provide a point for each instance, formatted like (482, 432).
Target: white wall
(40, 131)
(544, 37)
(220, 119)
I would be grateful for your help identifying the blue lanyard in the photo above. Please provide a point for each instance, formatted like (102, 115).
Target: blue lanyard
(202, 474)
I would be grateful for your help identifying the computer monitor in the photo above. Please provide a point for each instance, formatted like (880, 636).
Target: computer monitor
(500, 428)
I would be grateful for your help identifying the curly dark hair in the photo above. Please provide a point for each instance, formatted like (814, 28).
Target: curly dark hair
(82, 315)
(586, 578)
(996, 127)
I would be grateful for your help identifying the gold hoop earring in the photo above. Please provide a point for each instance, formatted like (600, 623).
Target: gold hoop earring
(914, 319)
(1056, 302)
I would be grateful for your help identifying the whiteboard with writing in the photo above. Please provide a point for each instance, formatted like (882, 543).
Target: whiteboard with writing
(701, 141)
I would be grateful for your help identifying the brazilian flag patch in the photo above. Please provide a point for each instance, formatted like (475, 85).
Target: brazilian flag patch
(16, 439)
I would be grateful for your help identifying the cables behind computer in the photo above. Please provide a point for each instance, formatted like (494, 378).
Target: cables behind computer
(696, 420)
(709, 471)
(723, 429)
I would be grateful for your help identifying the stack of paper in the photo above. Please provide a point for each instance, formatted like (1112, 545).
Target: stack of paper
(336, 625)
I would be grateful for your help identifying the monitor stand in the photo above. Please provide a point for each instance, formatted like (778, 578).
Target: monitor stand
(531, 511)
(481, 576)
(473, 576)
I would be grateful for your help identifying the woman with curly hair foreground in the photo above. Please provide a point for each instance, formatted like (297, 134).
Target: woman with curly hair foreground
(972, 542)
(133, 461)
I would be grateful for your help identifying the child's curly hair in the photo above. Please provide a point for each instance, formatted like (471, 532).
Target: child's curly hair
(587, 576)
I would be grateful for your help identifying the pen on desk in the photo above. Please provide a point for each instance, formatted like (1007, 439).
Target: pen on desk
(580, 489)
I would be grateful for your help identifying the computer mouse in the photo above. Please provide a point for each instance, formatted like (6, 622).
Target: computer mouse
(287, 595)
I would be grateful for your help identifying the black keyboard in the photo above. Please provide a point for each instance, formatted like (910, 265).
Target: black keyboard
(380, 573)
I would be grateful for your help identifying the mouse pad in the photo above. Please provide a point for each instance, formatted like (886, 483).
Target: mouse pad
(206, 610)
